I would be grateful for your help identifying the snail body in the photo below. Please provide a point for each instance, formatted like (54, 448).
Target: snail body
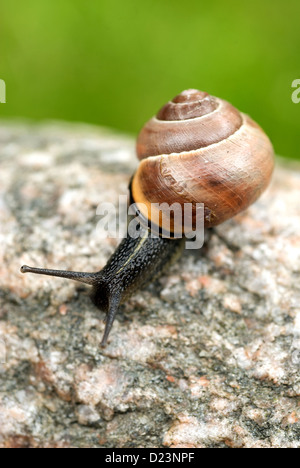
(198, 149)
(135, 262)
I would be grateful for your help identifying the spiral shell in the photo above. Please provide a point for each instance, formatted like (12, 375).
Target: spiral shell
(201, 149)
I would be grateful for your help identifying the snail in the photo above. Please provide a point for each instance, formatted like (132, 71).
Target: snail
(197, 149)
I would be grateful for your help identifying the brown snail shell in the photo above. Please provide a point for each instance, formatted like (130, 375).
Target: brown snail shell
(201, 149)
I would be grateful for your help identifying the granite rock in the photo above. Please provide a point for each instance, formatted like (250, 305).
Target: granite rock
(206, 356)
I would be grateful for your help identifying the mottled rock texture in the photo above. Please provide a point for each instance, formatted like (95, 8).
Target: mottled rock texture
(207, 356)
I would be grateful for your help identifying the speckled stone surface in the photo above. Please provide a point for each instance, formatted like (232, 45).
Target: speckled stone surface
(207, 356)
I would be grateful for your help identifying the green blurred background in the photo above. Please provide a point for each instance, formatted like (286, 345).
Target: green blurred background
(116, 62)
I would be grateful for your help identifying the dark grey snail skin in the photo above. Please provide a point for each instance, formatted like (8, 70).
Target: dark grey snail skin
(135, 263)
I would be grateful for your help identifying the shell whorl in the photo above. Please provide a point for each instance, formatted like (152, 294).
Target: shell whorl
(201, 149)
(192, 120)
